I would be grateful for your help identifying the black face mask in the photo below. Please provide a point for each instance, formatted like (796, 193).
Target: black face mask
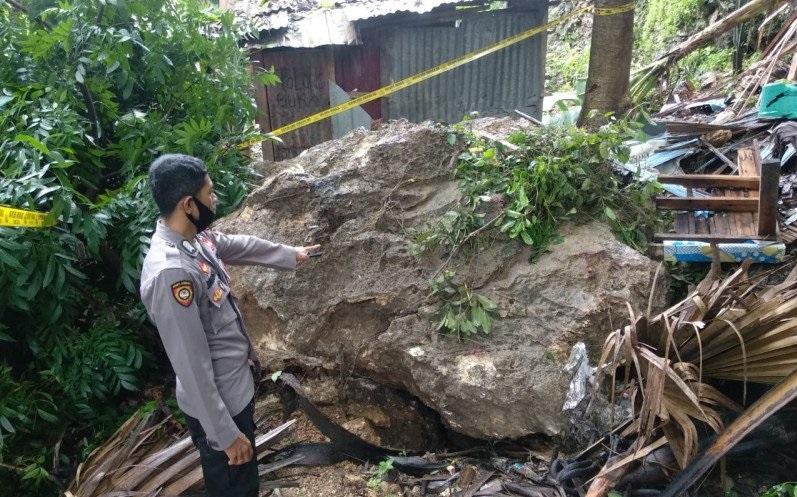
(206, 216)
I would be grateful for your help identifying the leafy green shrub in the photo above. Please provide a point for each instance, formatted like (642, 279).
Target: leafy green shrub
(90, 93)
(661, 22)
(788, 489)
(566, 66)
(704, 60)
(559, 174)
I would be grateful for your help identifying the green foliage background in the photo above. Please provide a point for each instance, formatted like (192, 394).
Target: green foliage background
(90, 93)
(658, 25)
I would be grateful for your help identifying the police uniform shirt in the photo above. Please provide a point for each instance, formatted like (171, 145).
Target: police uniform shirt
(185, 289)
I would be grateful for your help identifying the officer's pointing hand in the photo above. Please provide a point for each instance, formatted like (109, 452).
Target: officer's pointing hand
(240, 451)
(303, 253)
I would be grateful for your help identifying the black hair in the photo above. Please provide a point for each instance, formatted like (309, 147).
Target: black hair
(174, 176)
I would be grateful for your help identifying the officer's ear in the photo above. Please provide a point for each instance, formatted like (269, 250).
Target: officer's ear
(185, 204)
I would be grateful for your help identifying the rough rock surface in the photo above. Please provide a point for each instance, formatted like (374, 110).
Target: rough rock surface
(358, 309)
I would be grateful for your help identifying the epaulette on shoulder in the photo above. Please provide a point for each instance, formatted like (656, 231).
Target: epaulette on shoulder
(169, 255)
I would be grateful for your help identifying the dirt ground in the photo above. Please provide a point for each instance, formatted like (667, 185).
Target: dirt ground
(346, 479)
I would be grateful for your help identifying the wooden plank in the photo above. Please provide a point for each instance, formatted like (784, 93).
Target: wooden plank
(708, 204)
(748, 221)
(723, 223)
(729, 224)
(727, 162)
(691, 220)
(688, 127)
(682, 222)
(711, 181)
(747, 167)
(746, 160)
(788, 235)
(701, 225)
(719, 225)
(305, 75)
(741, 220)
(708, 237)
(737, 223)
(768, 199)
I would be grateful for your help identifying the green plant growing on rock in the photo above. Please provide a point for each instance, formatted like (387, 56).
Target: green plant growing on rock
(378, 474)
(462, 311)
(452, 226)
(558, 175)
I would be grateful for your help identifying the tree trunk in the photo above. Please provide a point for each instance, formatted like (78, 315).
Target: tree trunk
(609, 64)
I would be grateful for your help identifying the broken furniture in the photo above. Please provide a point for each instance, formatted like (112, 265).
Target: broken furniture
(737, 212)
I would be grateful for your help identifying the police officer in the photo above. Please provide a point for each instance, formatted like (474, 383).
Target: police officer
(186, 290)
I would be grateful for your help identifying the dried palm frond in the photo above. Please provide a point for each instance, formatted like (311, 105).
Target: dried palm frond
(145, 458)
(730, 329)
(781, 394)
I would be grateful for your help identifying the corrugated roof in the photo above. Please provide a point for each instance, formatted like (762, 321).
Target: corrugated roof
(312, 23)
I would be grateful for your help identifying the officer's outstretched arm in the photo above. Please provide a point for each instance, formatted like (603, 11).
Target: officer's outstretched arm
(247, 250)
(171, 303)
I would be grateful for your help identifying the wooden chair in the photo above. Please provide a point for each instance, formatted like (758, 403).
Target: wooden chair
(744, 205)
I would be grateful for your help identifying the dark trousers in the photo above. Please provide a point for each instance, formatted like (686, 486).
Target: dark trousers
(221, 479)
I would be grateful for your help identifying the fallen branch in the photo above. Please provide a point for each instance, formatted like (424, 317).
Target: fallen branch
(489, 136)
(528, 118)
(619, 466)
(20, 470)
(763, 70)
(15, 469)
(780, 395)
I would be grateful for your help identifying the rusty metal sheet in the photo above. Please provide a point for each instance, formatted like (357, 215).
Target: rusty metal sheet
(304, 90)
(357, 69)
(308, 24)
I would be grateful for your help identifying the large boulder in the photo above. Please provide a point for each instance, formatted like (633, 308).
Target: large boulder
(361, 307)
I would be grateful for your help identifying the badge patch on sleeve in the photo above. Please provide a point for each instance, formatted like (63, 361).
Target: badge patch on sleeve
(204, 267)
(183, 292)
(217, 295)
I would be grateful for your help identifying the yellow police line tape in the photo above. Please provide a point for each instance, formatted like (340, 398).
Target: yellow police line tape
(437, 70)
(23, 218)
(610, 11)
(13, 217)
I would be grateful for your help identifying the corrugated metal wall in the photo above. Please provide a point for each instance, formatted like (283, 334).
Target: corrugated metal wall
(513, 78)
